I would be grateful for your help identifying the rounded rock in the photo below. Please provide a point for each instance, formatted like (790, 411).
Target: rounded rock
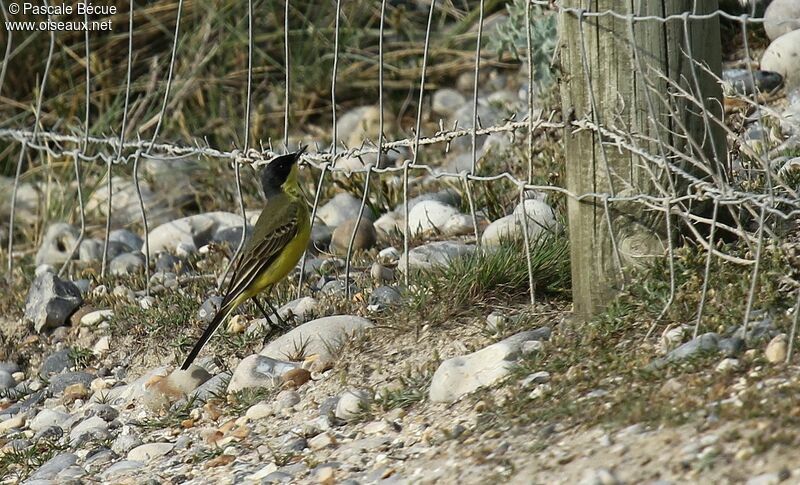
(366, 236)
(783, 57)
(781, 17)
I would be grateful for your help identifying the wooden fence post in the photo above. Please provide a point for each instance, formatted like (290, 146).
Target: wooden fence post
(650, 105)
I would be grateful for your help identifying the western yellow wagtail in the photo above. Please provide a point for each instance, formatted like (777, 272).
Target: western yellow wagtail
(280, 236)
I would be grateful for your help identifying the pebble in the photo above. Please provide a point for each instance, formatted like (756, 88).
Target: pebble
(776, 349)
(727, 364)
(51, 301)
(126, 264)
(60, 382)
(321, 441)
(6, 380)
(783, 57)
(322, 338)
(259, 411)
(94, 318)
(461, 375)
(88, 426)
(352, 404)
(287, 399)
(57, 244)
(366, 236)
(149, 451)
(258, 371)
(380, 273)
(781, 17)
(54, 466)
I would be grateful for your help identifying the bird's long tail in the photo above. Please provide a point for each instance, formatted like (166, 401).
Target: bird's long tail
(221, 315)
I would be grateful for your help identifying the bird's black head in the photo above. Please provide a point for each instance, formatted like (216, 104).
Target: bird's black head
(278, 171)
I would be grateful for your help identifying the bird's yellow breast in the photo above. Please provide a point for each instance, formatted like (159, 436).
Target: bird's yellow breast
(287, 259)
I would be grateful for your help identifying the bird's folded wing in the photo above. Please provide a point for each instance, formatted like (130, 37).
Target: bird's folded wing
(258, 256)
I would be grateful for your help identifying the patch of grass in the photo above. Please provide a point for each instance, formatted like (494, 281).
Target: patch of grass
(485, 279)
(599, 370)
(17, 464)
(238, 402)
(414, 389)
(81, 357)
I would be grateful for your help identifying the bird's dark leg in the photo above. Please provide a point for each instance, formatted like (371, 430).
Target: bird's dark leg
(280, 322)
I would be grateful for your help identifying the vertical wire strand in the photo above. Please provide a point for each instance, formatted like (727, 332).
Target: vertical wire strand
(528, 40)
(287, 79)
(349, 256)
(109, 184)
(707, 272)
(161, 114)
(526, 239)
(473, 136)
(9, 43)
(303, 258)
(380, 85)
(334, 73)
(417, 134)
(83, 148)
(24, 147)
(793, 332)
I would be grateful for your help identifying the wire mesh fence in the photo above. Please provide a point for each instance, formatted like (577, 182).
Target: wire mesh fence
(656, 151)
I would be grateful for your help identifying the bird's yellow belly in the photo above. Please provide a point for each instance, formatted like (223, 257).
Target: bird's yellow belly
(285, 261)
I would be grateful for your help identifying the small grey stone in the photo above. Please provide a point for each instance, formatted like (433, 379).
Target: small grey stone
(9, 366)
(50, 417)
(741, 80)
(385, 296)
(337, 287)
(51, 301)
(447, 101)
(53, 466)
(105, 411)
(287, 398)
(130, 239)
(6, 381)
(277, 477)
(88, 427)
(92, 250)
(381, 273)
(125, 443)
(215, 385)
(540, 377)
(704, 343)
(60, 382)
(351, 403)
(321, 235)
(23, 406)
(208, 310)
(294, 444)
(435, 254)
(57, 244)
(731, 346)
(232, 236)
(83, 286)
(342, 207)
(365, 238)
(126, 263)
(50, 432)
(56, 362)
(328, 406)
(122, 466)
(166, 262)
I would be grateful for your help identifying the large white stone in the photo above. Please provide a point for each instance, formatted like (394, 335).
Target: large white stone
(258, 371)
(431, 216)
(435, 254)
(340, 208)
(150, 451)
(193, 231)
(322, 338)
(125, 207)
(461, 375)
(783, 57)
(541, 221)
(781, 17)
